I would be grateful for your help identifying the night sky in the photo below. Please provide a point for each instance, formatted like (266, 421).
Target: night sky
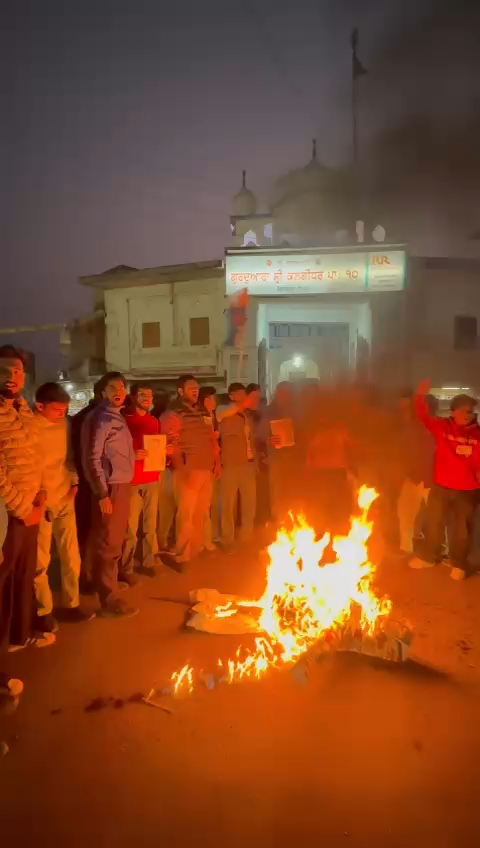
(127, 123)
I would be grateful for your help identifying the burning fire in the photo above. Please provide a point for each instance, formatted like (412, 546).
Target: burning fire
(304, 599)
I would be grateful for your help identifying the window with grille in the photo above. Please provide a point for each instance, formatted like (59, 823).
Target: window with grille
(199, 331)
(151, 334)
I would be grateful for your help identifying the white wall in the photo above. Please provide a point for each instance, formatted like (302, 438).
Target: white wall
(439, 296)
(172, 305)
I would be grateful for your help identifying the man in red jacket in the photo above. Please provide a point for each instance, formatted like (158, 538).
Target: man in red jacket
(144, 488)
(456, 480)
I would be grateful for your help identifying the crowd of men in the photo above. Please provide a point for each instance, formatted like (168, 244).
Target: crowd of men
(85, 482)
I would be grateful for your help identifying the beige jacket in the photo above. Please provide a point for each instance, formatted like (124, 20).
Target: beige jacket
(58, 471)
(20, 457)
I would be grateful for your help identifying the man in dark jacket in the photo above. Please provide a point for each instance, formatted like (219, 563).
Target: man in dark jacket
(239, 465)
(414, 450)
(108, 462)
(194, 455)
(83, 500)
(455, 480)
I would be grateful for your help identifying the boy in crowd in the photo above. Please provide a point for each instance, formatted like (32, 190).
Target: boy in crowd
(20, 490)
(238, 464)
(207, 400)
(60, 483)
(456, 480)
(108, 461)
(83, 499)
(194, 461)
(144, 488)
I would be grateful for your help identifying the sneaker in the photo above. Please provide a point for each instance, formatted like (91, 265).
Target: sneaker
(418, 563)
(179, 564)
(76, 615)
(11, 686)
(118, 609)
(457, 573)
(41, 640)
(86, 586)
(129, 579)
(147, 570)
(46, 623)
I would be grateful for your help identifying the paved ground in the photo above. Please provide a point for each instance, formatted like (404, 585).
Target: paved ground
(362, 755)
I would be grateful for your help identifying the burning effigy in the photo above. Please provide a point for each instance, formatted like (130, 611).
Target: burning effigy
(308, 608)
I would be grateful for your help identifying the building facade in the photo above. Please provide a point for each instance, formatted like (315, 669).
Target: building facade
(413, 318)
(322, 304)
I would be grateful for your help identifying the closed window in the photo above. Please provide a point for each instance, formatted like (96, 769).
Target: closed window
(199, 331)
(151, 334)
(464, 332)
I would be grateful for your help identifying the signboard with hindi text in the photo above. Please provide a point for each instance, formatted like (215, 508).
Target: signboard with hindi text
(263, 273)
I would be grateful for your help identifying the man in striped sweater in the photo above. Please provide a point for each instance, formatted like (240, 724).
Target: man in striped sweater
(21, 472)
(195, 460)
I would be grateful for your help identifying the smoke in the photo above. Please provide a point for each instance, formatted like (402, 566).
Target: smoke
(423, 164)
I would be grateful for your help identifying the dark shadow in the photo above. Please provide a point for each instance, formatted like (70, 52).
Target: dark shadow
(185, 602)
(410, 668)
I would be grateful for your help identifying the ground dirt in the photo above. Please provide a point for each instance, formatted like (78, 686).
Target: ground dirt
(364, 754)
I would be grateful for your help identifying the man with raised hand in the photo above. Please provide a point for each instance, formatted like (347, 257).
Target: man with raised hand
(456, 482)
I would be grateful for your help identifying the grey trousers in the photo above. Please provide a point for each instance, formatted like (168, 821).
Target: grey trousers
(107, 537)
(166, 508)
(238, 479)
(143, 502)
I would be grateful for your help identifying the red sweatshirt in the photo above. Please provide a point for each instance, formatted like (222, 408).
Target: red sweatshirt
(457, 457)
(140, 426)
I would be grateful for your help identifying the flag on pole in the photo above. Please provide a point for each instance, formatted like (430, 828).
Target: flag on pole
(358, 70)
(237, 320)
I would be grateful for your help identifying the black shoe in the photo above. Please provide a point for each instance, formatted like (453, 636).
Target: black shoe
(75, 615)
(130, 579)
(46, 623)
(147, 570)
(86, 586)
(118, 609)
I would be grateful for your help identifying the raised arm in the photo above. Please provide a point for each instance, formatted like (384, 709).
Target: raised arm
(431, 422)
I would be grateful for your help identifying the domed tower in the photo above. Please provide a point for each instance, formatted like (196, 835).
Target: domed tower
(249, 228)
(310, 204)
(244, 203)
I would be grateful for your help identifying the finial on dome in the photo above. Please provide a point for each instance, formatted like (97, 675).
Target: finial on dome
(314, 149)
(244, 179)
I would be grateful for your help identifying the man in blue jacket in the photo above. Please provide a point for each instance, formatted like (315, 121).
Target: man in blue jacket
(108, 461)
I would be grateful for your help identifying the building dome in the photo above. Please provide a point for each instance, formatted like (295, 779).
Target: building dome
(312, 203)
(311, 178)
(244, 203)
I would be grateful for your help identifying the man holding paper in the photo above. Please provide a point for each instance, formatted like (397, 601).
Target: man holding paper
(279, 430)
(149, 447)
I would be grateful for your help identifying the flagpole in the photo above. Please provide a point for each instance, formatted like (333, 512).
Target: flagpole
(358, 70)
(354, 126)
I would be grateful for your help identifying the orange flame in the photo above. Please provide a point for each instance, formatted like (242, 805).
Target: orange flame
(303, 598)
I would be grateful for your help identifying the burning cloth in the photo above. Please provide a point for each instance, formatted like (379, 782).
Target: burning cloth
(216, 613)
(308, 607)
